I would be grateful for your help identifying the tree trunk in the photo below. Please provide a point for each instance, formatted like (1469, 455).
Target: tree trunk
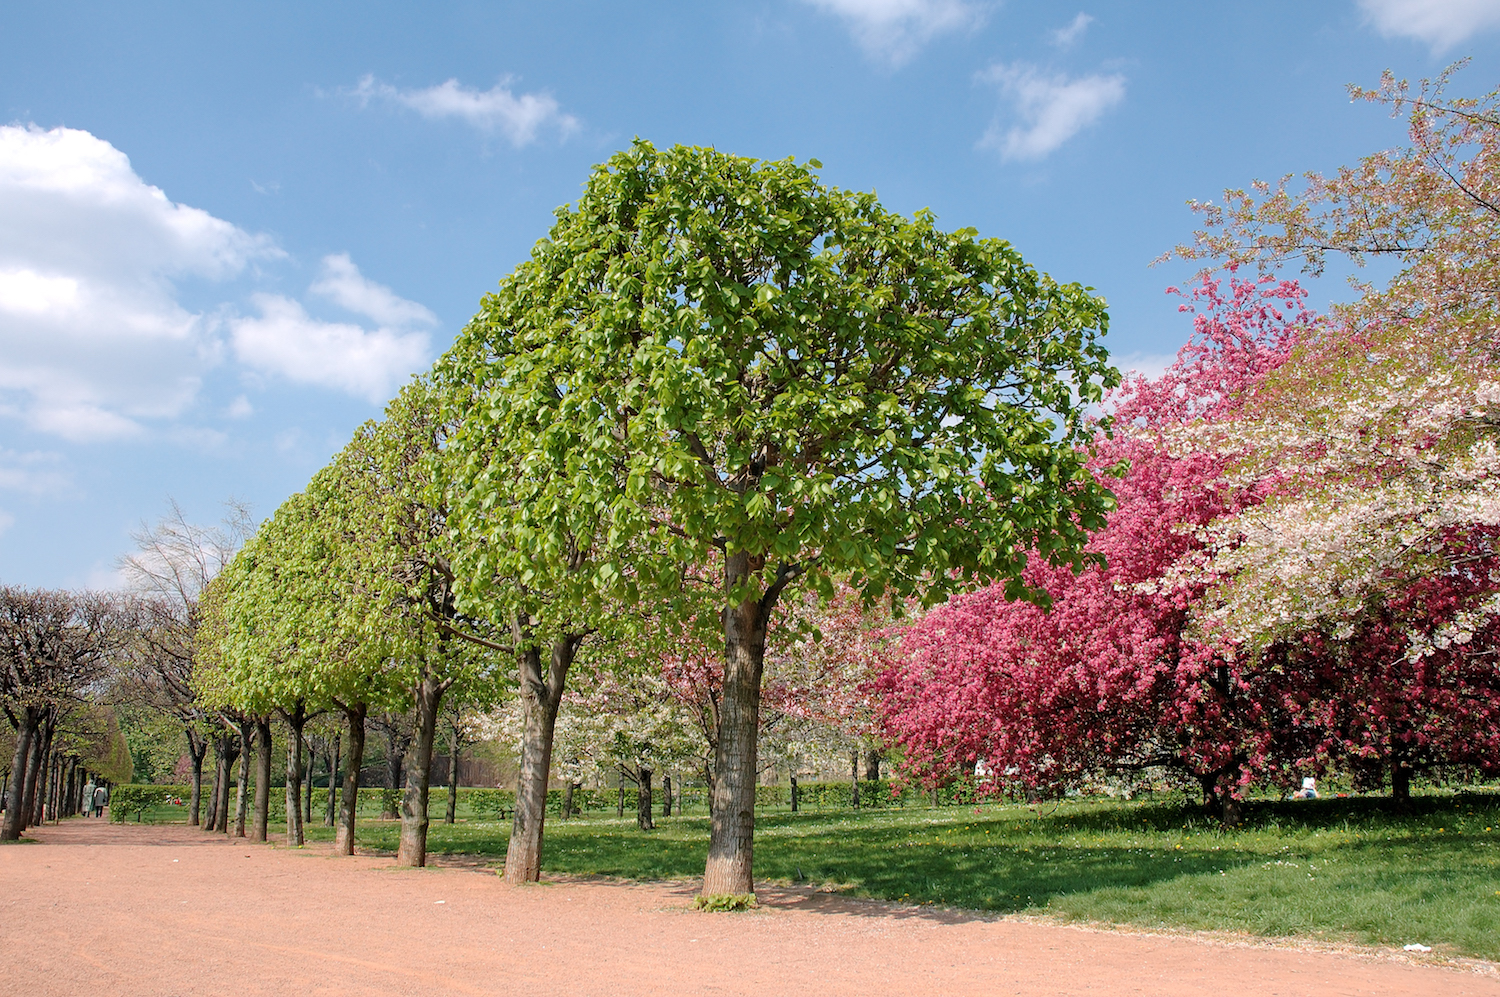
(620, 798)
(397, 741)
(231, 755)
(211, 819)
(344, 844)
(567, 801)
(872, 765)
(54, 787)
(1400, 783)
(731, 842)
(312, 768)
(540, 696)
(643, 801)
(412, 850)
(33, 775)
(666, 794)
(296, 719)
(49, 807)
(854, 778)
(262, 779)
(242, 784)
(452, 815)
(197, 748)
(794, 790)
(44, 780)
(1209, 784)
(333, 774)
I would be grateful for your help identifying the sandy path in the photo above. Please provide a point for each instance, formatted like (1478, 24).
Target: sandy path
(126, 910)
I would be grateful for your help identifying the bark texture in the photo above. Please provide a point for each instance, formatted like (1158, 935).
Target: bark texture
(540, 696)
(412, 850)
(334, 760)
(197, 748)
(231, 755)
(33, 776)
(643, 801)
(355, 715)
(262, 778)
(307, 784)
(1401, 783)
(452, 815)
(730, 865)
(854, 778)
(211, 819)
(242, 787)
(296, 720)
(11, 828)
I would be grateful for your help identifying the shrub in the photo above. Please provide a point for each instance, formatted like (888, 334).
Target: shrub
(720, 902)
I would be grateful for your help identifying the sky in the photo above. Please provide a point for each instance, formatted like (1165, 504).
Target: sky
(228, 232)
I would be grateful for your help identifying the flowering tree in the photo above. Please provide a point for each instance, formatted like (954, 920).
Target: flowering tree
(1377, 544)
(1112, 675)
(1383, 433)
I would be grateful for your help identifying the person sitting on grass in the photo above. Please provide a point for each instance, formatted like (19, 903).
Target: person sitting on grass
(1309, 790)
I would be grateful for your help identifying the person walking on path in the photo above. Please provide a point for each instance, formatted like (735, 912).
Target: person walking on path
(101, 799)
(88, 799)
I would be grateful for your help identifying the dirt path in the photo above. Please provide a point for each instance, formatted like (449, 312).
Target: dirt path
(127, 910)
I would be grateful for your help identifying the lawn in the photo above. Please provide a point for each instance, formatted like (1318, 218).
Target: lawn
(1333, 869)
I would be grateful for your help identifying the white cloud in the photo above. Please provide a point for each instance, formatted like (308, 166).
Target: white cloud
(92, 337)
(1440, 23)
(285, 340)
(240, 408)
(1064, 37)
(893, 30)
(343, 284)
(33, 472)
(1051, 109)
(106, 578)
(518, 118)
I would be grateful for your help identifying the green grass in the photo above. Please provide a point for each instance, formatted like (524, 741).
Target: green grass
(1332, 869)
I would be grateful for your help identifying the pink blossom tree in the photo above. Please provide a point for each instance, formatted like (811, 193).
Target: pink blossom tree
(1114, 674)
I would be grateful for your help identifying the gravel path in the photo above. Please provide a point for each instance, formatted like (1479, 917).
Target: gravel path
(127, 910)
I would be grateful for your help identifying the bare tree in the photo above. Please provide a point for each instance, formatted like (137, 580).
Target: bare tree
(173, 562)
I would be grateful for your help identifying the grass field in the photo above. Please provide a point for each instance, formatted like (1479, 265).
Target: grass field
(1333, 869)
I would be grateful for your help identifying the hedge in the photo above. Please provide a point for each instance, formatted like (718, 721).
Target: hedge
(135, 798)
(497, 804)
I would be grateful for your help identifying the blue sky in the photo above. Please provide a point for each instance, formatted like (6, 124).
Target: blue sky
(228, 231)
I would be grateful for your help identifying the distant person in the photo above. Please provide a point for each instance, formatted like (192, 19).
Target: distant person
(1309, 790)
(101, 799)
(88, 799)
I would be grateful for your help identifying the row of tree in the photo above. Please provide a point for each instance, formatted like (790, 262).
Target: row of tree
(719, 393)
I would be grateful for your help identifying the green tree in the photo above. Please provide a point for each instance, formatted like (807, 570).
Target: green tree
(396, 546)
(722, 377)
